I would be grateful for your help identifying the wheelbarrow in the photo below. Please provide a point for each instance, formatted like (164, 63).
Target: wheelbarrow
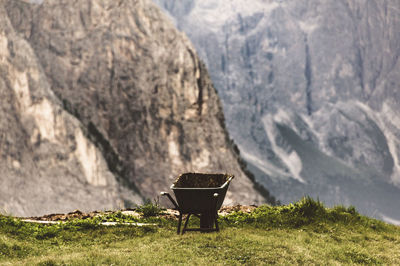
(200, 195)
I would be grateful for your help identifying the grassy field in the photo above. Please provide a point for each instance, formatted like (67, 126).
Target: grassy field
(300, 233)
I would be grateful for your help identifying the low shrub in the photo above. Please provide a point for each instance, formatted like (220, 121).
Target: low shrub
(150, 209)
(303, 212)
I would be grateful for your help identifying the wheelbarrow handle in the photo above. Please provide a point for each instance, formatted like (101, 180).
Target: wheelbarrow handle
(227, 181)
(170, 198)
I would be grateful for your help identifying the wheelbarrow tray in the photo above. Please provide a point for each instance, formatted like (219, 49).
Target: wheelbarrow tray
(201, 199)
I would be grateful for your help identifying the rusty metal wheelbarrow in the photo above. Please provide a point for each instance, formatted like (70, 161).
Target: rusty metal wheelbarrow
(201, 195)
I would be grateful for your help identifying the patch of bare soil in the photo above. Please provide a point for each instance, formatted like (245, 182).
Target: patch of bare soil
(77, 214)
(168, 213)
(229, 209)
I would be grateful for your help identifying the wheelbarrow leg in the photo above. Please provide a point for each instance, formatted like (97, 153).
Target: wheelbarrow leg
(216, 212)
(179, 223)
(216, 222)
(186, 223)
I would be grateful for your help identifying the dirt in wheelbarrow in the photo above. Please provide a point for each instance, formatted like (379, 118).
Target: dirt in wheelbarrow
(197, 180)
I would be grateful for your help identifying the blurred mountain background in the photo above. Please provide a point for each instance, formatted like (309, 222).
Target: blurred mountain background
(103, 105)
(311, 93)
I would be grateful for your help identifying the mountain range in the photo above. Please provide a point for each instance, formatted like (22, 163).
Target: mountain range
(310, 90)
(103, 105)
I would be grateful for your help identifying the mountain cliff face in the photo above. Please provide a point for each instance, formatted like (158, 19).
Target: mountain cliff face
(47, 162)
(106, 105)
(311, 93)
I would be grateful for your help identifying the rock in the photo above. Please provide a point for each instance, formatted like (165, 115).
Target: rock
(43, 149)
(310, 93)
(107, 103)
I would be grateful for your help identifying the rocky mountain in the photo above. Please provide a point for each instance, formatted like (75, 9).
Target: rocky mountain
(310, 90)
(104, 104)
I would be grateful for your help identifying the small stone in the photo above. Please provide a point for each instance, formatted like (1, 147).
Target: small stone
(16, 164)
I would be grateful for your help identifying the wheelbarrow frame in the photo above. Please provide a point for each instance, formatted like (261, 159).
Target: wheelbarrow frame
(200, 202)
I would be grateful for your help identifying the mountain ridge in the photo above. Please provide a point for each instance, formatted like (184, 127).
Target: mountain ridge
(143, 107)
(328, 71)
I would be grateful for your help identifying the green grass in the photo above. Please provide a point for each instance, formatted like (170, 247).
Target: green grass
(301, 233)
